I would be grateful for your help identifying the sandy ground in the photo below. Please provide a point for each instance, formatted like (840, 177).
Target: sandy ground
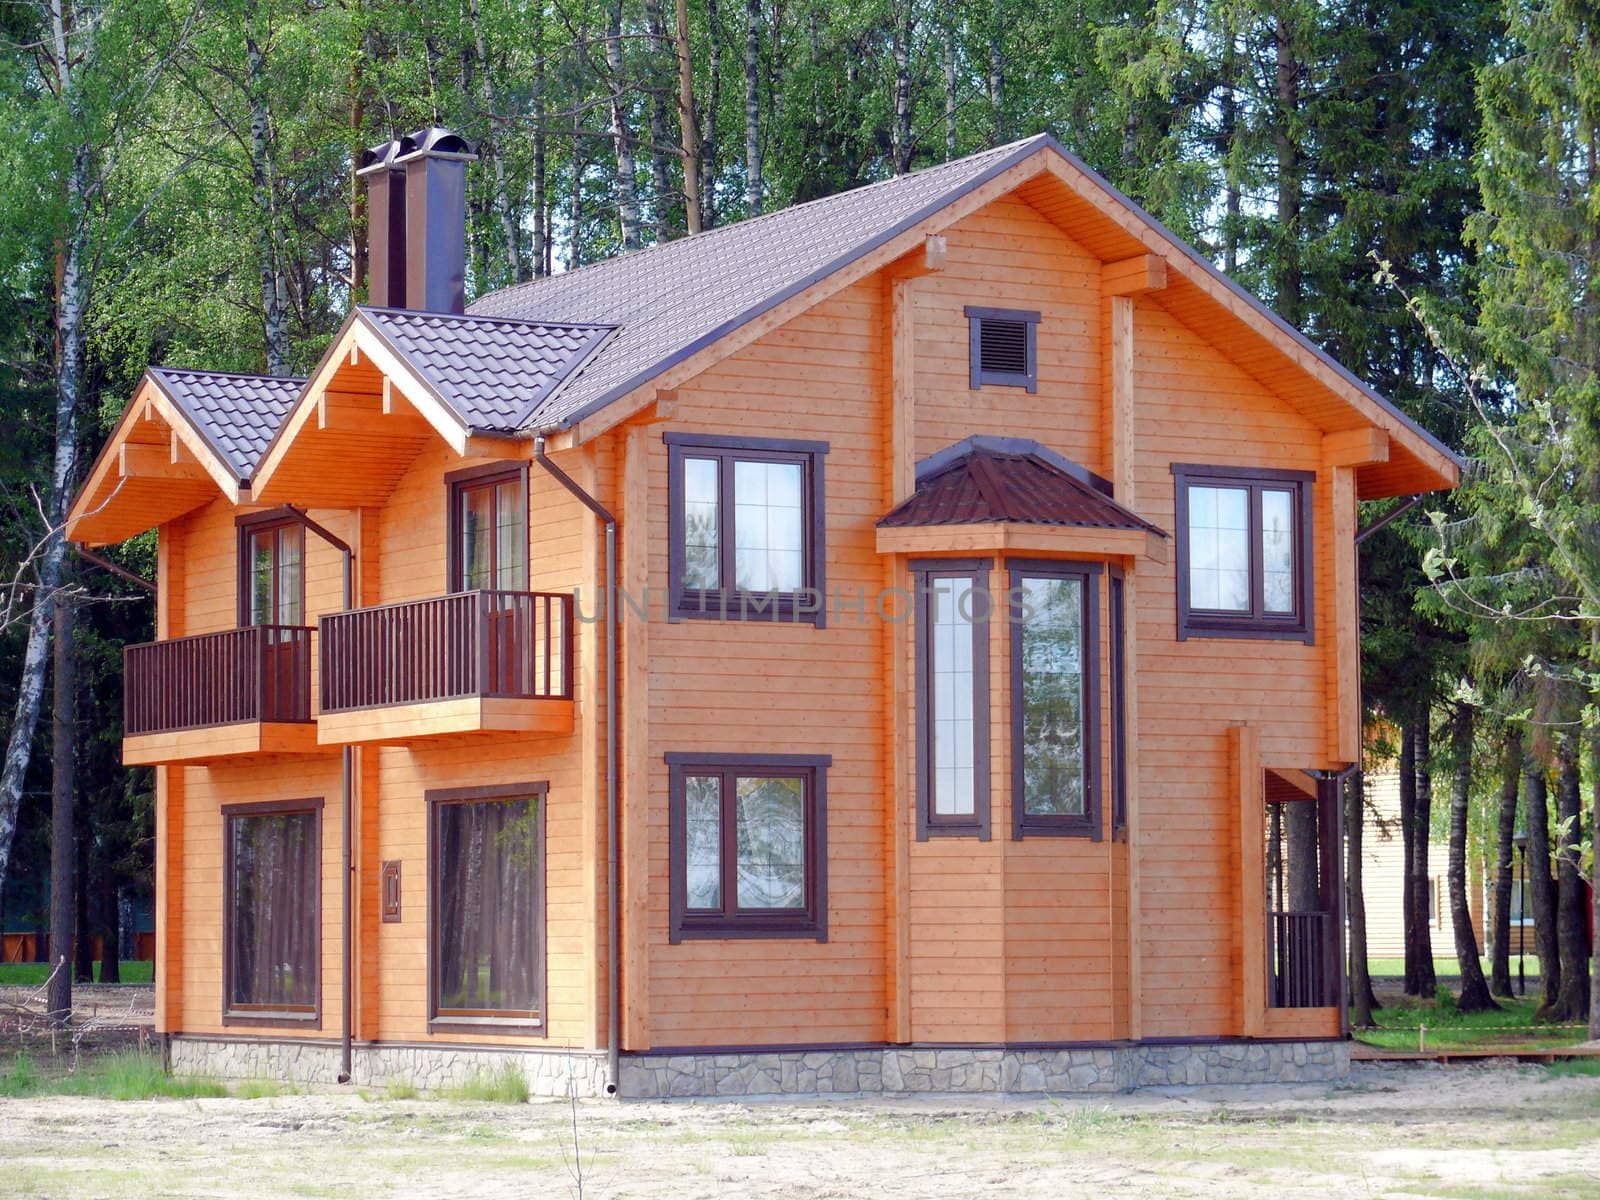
(1468, 1132)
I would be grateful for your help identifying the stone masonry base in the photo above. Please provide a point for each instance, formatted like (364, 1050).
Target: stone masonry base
(887, 1070)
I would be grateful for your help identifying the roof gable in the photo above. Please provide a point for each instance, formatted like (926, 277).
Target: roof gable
(237, 415)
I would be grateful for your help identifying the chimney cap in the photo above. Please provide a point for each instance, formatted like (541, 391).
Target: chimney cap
(375, 158)
(435, 142)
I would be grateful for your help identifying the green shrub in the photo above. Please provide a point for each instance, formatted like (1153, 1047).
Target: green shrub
(508, 1085)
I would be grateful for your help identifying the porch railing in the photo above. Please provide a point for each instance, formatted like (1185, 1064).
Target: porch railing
(258, 673)
(481, 643)
(1299, 959)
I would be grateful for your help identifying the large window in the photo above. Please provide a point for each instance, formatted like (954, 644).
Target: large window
(272, 587)
(952, 630)
(748, 846)
(746, 528)
(273, 910)
(1244, 552)
(488, 528)
(486, 906)
(1054, 699)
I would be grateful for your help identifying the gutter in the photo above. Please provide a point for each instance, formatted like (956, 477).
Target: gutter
(613, 742)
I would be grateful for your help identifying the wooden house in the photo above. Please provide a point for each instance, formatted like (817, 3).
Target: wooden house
(981, 627)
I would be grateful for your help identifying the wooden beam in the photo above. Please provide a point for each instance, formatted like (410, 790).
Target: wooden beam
(1245, 743)
(1344, 657)
(352, 412)
(1132, 802)
(1134, 276)
(138, 461)
(635, 721)
(1355, 447)
(1066, 540)
(903, 389)
(1120, 319)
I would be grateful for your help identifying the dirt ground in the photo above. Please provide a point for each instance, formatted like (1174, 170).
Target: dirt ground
(1469, 1132)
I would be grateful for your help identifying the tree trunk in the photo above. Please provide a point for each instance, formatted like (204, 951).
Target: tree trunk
(358, 190)
(83, 917)
(688, 121)
(506, 208)
(901, 133)
(264, 186)
(627, 183)
(1421, 878)
(1228, 151)
(1287, 283)
(1300, 832)
(1539, 888)
(63, 849)
(753, 186)
(1474, 988)
(995, 83)
(1572, 997)
(660, 166)
(1362, 1000)
(710, 137)
(1408, 828)
(110, 926)
(1505, 836)
(541, 192)
(950, 93)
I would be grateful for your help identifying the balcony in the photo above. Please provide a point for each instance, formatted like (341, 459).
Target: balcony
(472, 662)
(218, 695)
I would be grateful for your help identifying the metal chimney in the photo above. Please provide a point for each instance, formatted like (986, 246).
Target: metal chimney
(435, 164)
(386, 225)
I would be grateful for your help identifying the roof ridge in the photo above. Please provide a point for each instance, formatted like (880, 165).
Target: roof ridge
(633, 256)
(528, 321)
(164, 369)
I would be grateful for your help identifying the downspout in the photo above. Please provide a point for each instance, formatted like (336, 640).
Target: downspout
(347, 866)
(613, 742)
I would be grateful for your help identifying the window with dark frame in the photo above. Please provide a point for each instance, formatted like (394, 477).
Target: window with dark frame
(748, 846)
(1003, 347)
(273, 913)
(488, 528)
(272, 586)
(486, 931)
(1244, 552)
(1055, 727)
(746, 528)
(952, 612)
(1117, 620)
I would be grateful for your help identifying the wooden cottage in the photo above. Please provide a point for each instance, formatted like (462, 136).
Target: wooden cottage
(903, 642)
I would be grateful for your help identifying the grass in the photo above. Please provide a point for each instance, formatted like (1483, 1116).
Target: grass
(35, 974)
(126, 1075)
(1574, 1067)
(1513, 1027)
(1444, 968)
(505, 1086)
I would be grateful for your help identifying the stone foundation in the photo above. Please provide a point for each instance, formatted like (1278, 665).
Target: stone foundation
(551, 1073)
(871, 1071)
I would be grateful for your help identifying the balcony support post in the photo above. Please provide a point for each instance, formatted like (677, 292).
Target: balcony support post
(613, 758)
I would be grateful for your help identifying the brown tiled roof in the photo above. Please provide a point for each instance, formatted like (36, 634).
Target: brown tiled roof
(675, 298)
(983, 480)
(493, 373)
(237, 415)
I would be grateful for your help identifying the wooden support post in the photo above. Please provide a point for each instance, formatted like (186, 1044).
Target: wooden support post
(1249, 802)
(635, 716)
(903, 403)
(1132, 800)
(1343, 641)
(169, 812)
(1120, 409)
(590, 652)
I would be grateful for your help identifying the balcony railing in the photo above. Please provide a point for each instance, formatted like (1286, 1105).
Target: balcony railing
(515, 645)
(1299, 959)
(261, 673)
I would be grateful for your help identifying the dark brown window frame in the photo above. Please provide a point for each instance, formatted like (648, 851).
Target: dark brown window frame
(268, 1018)
(809, 923)
(978, 377)
(435, 799)
(469, 479)
(930, 824)
(1023, 823)
(732, 604)
(1117, 655)
(1256, 624)
(246, 527)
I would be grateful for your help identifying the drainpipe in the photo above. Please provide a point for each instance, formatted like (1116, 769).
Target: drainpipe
(613, 741)
(347, 866)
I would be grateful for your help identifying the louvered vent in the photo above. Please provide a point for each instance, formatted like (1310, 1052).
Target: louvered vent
(1003, 346)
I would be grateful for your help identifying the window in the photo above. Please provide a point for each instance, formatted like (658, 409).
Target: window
(486, 906)
(746, 528)
(1055, 734)
(748, 844)
(1244, 552)
(952, 626)
(1518, 915)
(1003, 347)
(488, 528)
(1119, 703)
(272, 587)
(273, 913)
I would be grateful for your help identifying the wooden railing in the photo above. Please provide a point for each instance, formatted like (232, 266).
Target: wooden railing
(484, 643)
(258, 673)
(1299, 959)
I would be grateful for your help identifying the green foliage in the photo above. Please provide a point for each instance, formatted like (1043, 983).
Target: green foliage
(126, 1075)
(35, 974)
(508, 1085)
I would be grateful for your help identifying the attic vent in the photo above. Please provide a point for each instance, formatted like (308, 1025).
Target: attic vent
(1003, 347)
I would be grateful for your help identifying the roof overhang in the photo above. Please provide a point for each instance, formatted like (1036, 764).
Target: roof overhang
(1115, 229)
(156, 466)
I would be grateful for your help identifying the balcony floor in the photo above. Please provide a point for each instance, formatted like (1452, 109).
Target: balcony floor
(404, 723)
(216, 742)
